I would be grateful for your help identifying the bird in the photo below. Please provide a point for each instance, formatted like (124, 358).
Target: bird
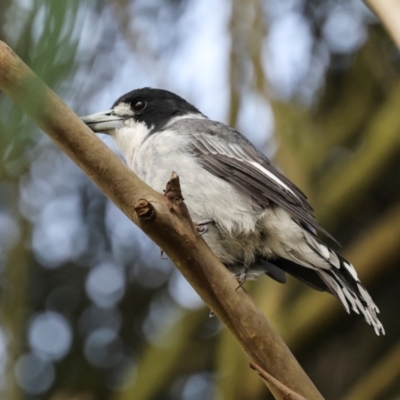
(256, 220)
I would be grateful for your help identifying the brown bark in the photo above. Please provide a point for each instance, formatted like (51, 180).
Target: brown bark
(388, 12)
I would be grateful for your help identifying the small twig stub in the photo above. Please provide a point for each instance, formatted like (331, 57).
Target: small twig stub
(285, 393)
(173, 189)
(173, 193)
(145, 210)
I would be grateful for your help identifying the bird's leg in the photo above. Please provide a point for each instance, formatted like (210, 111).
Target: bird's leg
(202, 226)
(241, 277)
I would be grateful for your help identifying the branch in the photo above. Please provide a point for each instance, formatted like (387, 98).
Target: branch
(388, 12)
(284, 392)
(166, 224)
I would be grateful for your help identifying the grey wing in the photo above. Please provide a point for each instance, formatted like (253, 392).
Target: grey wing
(229, 155)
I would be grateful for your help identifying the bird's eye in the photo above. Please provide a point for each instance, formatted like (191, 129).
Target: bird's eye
(139, 105)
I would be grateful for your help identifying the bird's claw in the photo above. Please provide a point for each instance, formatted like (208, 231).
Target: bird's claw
(201, 230)
(241, 278)
(202, 226)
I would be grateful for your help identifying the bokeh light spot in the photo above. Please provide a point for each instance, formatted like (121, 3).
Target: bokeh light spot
(50, 335)
(34, 374)
(105, 285)
(103, 348)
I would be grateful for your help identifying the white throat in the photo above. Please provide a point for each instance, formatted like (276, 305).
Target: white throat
(130, 138)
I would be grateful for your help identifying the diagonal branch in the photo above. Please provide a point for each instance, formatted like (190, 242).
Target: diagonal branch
(167, 225)
(388, 12)
(284, 392)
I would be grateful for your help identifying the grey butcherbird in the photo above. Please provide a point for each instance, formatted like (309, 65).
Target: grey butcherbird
(263, 222)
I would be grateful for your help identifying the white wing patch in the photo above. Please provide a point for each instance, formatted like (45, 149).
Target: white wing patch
(273, 177)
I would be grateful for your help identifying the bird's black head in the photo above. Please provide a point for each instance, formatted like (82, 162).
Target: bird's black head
(147, 108)
(154, 107)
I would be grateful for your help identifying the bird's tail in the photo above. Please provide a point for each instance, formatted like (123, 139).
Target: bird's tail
(341, 280)
(352, 293)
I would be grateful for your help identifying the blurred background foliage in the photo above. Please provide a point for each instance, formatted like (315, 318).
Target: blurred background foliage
(88, 310)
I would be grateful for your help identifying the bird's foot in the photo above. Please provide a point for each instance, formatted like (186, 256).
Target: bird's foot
(202, 226)
(241, 277)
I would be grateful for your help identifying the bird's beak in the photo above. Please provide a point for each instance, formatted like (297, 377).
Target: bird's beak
(105, 121)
